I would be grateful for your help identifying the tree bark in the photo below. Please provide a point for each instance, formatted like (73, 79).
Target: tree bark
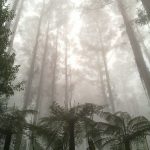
(102, 82)
(127, 145)
(14, 28)
(111, 99)
(7, 141)
(66, 75)
(38, 101)
(54, 68)
(71, 137)
(18, 141)
(27, 97)
(15, 4)
(139, 59)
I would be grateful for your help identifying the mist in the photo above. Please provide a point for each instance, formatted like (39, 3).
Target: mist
(76, 52)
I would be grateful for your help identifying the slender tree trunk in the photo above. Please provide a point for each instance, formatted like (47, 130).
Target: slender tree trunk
(111, 99)
(14, 28)
(18, 141)
(141, 39)
(141, 65)
(127, 145)
(54, 68)
(38, 101)
(28, 96)
(7, 141)
(108, 82)
(14, 6)
(71, 138)
(91, 144)
(66, 75)
(146, 4)
(104, 96)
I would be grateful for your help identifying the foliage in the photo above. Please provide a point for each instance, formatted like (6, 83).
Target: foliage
(7, 68)
(13, 120)
(55, 128)
(142, 17)
(120, 129)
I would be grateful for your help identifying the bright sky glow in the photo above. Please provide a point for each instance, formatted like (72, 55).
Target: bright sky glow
(75, 24)
(77, 2)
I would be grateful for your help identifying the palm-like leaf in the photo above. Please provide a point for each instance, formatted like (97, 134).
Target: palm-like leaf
(121, 128)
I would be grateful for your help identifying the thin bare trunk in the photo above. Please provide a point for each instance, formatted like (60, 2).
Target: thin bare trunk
(14, 28)
(108, 82)
(28, 96)
(54, 69)
(104, 96)
(141, 39)
(141, 65)
(7, 141)
(15, 4)
(39, 96)
(66, 75)
(71, 136)
(111, 99)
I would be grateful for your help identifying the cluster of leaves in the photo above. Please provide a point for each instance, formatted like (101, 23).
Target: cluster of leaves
(54, 130)
(7, 68)
(120, 129)
(143, 18)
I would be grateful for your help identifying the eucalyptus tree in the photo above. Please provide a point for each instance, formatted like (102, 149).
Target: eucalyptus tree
(16, 20)
(139, 59)
(121, 129)
(96, 18)
(27, 98)
(14, 5)
(38, 100)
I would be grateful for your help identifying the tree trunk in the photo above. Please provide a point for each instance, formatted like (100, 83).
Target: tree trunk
(14, 6)
(54, 68)
(146, 4)
(7, 141)
(71, 136)
(111, 99)
(104, 96)
(38, 101)
(91, 144)
(108, 82)
(14, 28)
(18, 141)
(127, 145)
(27, 98)
(66, 75)
(141, 65)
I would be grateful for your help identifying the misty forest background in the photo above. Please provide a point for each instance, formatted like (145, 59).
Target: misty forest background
(74, 52)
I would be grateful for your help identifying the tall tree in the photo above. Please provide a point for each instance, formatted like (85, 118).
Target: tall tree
(101, 76)
(28, 96)
(40, 86)
(54, 69)
(7, 68)
(103, 53)
(66, 74)
(14, 6)
(141, 65)
(15, 25)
